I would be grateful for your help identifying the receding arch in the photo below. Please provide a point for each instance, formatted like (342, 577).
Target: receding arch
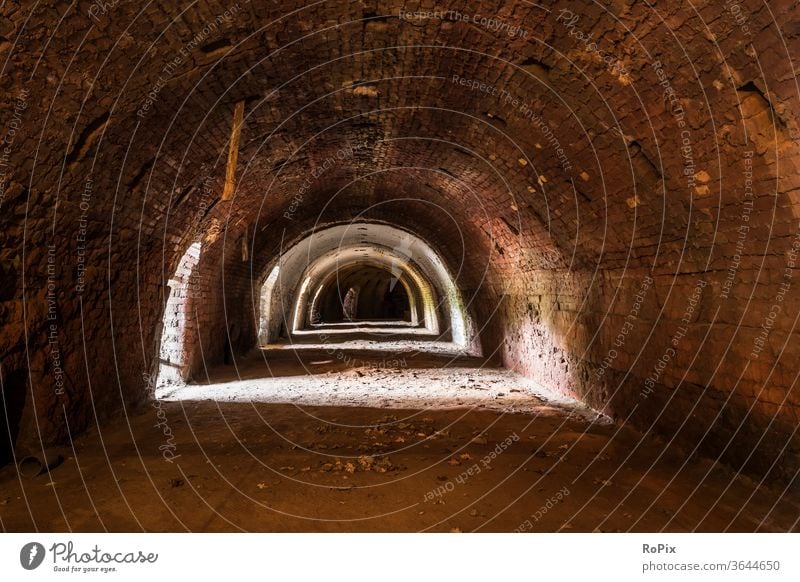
(330, 268)
(296, 281)
(363, 293)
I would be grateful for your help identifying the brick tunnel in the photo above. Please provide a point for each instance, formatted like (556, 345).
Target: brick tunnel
(374, 266)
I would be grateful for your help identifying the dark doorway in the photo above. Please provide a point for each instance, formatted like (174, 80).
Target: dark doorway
(365, 294)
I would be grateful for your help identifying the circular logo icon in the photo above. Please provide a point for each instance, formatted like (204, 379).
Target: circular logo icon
(31, 555)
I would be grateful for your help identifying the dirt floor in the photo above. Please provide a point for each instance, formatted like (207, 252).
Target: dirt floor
(379, 441)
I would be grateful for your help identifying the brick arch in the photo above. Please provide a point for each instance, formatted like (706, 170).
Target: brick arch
(317, 258)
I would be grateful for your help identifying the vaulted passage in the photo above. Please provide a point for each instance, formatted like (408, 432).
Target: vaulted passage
(301, 266)
(362, 293)
(358, 277)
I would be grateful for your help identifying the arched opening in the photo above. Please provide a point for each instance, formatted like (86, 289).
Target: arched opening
(362, 294)
(178, 321)
(269, 324)
(358, 277)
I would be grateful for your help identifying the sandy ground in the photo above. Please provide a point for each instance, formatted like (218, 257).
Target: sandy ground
(379, 441)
